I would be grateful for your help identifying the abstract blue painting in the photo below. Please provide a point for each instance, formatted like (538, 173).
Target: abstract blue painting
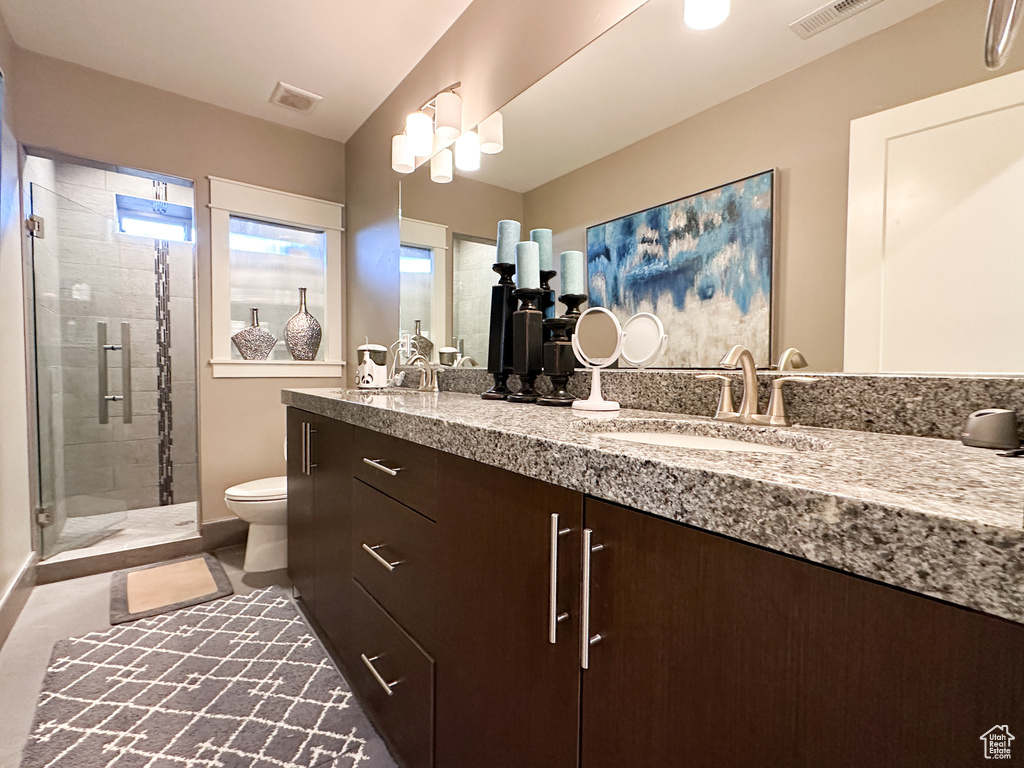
(702, 264)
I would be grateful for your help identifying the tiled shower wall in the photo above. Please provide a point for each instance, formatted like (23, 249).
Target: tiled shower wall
(472, 279)
(108, 276)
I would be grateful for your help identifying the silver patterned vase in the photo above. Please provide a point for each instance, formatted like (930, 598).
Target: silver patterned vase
(254, 343)
(302, 332)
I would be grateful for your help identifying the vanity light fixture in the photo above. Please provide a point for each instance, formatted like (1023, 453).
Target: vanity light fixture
(402, 158)
(467, 151)
(448, 115)
(492, 134)
(441, 167)
(419, 132)
(705, 14)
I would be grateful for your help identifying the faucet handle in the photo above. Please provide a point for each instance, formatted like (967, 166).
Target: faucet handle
(726, 410)
(776, 415)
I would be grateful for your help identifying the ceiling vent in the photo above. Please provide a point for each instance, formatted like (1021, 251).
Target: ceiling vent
(295, 98)
(828, 16)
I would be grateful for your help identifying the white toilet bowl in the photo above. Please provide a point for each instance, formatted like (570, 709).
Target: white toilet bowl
(264, 505)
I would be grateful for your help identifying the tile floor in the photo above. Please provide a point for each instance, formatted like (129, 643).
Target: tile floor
(68, 609)
(99, 534)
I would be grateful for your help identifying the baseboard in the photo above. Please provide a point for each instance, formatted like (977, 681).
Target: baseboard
(16, 595)
(228, 532)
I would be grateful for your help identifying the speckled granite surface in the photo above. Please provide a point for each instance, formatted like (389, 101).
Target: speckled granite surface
(932, 516)
(925, 406)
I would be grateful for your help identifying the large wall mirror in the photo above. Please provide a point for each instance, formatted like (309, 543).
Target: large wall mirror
(653, 112)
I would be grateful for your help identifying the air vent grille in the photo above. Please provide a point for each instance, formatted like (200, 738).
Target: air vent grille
(295, 98)
(828, 16)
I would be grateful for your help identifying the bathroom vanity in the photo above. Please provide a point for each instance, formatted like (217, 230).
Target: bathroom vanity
(510, 586)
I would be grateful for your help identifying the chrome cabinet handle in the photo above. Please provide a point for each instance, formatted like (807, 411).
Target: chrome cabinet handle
(388, 687)
(586, 639)
(553, 615)
(376, 464)
(372, 552)
(307, 453)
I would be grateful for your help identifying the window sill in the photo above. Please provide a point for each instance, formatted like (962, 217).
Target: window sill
(277, 369)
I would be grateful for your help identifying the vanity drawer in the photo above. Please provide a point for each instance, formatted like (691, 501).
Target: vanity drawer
(394, 679)
(403, 470)
(393, 558)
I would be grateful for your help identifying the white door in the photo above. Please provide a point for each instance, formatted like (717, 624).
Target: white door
(935, 238)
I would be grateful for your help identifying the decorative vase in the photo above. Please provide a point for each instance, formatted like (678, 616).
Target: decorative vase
(421, 345)
(254, 343)
(302, 332)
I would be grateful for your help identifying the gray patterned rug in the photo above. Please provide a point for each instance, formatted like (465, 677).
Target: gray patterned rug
(236, 683)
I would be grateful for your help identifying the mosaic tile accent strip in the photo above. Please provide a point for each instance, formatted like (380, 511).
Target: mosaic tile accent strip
(163, 367)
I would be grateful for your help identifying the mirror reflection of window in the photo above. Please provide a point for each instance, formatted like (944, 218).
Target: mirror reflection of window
(472, 279)
(416, 267)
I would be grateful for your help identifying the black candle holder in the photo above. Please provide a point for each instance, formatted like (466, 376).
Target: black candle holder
(527, 344)
(559, 360)
(547, 301)
(499, 350)
(573, 302)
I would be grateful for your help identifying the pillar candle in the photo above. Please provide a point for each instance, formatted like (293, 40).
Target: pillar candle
(572, 273)
(528, 265)
(543, 238)
(509, 233)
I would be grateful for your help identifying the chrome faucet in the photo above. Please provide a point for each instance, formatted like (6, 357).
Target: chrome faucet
(464, 359)
(739, 356)
(428, 376)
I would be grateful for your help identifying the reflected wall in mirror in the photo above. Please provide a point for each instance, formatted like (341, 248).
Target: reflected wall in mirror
(652, 111)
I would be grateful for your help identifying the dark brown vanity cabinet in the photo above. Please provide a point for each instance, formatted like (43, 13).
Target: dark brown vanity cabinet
(702, 651)
(509, 559)
(320, 520)
(715, 653)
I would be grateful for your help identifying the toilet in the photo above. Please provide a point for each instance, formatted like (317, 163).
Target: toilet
(264, 505)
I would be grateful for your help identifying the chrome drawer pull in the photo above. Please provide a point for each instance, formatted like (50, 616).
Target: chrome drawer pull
(376, 675)
(553, 615)
(586, 639)
(372, 552)
(377, 465)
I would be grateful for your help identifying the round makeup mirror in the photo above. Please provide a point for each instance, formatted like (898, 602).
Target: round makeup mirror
(597, 342)
(645, 339)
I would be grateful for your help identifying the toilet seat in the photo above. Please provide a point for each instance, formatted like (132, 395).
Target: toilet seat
(267, 489)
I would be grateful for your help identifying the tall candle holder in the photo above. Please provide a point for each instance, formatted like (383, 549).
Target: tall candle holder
(527, 344)
(573, 302)
(547, 301)
(499, 350)
(559, 360)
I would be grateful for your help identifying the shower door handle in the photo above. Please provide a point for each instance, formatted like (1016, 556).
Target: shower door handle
(126, 372)
(102, 348)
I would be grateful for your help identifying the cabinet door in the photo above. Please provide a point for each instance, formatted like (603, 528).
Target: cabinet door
(717, 653)
(506, 696)
(301, 526)
(331, 445)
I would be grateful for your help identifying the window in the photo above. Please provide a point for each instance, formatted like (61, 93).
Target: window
(157, 219)
(266, 245)
(423, 290)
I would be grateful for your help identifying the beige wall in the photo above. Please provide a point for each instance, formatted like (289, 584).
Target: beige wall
(467, 208)
(496, 49)
(798, 123)
(87, 113)
(15, 527)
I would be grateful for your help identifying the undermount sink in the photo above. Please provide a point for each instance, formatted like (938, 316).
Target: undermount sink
(703, 435)
(694, 442)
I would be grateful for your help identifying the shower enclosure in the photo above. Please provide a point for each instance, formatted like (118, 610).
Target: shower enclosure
(112, 299)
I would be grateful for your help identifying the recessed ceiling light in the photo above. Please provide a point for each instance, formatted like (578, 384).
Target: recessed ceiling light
(705, 14)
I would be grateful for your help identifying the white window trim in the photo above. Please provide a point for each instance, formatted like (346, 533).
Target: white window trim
(234, 197)
(427, 234)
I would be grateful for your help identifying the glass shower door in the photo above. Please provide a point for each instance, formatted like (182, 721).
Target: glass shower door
(82, 405)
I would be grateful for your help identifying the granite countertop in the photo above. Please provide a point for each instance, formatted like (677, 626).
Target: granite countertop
(928, 515)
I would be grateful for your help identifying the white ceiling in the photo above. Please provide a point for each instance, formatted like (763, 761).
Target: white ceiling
(651, 72)
(233, 52)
